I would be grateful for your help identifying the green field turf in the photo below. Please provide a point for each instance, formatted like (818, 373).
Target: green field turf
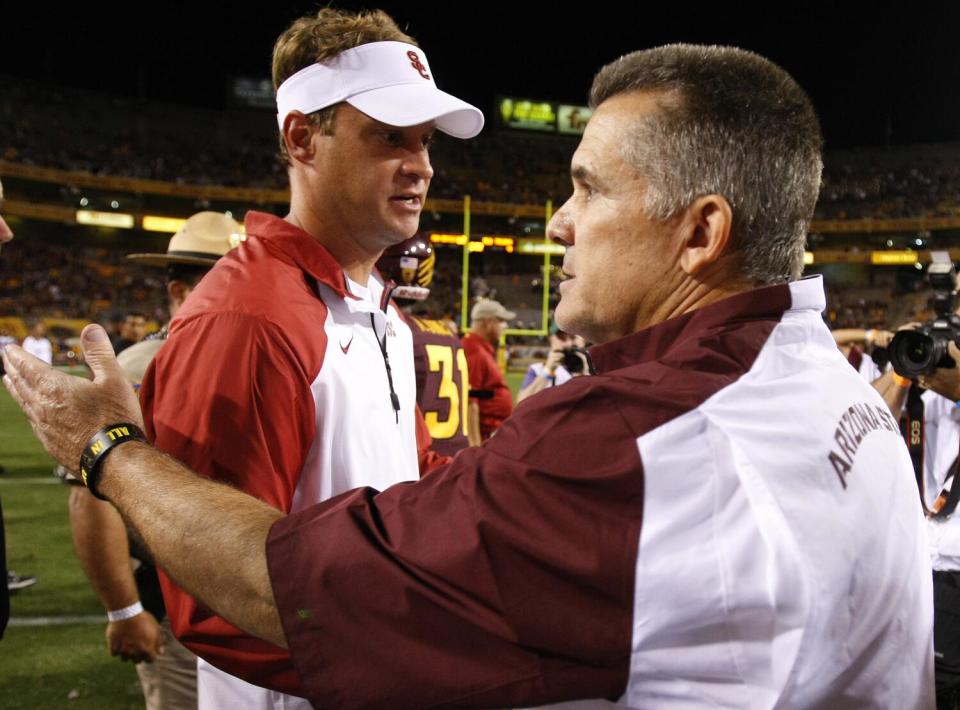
(56, 666)
(514, 379)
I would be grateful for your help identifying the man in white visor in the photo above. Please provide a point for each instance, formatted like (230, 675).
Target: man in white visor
(292, 377)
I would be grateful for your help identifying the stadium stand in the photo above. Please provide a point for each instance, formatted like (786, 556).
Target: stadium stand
(234, 151)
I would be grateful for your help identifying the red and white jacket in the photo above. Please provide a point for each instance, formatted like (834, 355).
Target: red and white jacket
(272, 379)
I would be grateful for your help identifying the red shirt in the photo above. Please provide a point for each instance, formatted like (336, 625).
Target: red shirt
(487, 384)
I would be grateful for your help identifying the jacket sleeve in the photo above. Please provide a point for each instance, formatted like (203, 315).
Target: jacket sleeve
(227, 396)
(503, 579)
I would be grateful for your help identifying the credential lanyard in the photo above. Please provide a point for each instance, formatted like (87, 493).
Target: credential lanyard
(912, 428)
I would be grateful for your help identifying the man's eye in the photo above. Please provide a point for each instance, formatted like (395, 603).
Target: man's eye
(427, 141)
(393, 137)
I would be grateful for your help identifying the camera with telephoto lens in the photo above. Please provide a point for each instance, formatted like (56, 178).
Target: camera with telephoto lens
(921, 351)
(572, 360)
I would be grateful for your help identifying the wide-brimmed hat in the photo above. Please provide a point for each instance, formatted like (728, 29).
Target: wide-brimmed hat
(204, 238)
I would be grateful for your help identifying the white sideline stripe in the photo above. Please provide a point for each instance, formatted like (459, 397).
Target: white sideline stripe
(58, 620)
(46, 480)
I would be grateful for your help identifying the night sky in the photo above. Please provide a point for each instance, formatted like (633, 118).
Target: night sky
(875, 77)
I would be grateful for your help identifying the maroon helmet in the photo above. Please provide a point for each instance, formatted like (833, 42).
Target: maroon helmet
(409, 264)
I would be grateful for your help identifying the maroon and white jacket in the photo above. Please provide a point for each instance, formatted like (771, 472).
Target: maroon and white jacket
(724, 516)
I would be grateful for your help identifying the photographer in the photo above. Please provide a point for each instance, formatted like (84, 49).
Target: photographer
(940, 440)
(567, 359)
(928, 354)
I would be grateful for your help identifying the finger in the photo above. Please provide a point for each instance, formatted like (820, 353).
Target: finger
(8, 382)
(20, 395)
(28, 380)
(22, 364)
(954, 351)
(98, 353)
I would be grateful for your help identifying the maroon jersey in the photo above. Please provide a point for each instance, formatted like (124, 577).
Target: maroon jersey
(442, 384)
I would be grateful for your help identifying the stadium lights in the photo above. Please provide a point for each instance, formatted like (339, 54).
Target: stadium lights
(458, 239)
(510, 245)
(492, 241)
(538, 246)
(476, 245)
(169, 225)
(894, 258)
(807, 258)
(105, 219)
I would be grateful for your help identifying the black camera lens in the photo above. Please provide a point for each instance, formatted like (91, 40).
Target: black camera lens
(572, 360)
(914, 353)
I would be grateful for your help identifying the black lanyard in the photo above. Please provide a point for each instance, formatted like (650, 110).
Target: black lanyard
(912, 428)
(394, 399)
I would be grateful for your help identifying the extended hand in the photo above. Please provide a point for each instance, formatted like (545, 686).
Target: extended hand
(65, 411)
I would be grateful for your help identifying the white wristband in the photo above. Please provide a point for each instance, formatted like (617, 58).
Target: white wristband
(128, 612)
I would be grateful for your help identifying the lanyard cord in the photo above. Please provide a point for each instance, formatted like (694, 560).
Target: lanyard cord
(394, 399)
(912, 427)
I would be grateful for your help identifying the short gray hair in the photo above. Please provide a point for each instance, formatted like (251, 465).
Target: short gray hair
(730, 123)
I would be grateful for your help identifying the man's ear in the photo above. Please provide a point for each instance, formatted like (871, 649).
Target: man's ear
(298, 137)
(706, 230)
(177, 292)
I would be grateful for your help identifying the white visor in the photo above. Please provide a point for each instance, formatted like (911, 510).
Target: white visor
(389, 81)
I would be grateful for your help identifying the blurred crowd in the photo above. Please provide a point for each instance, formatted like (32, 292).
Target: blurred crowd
(45, 280)
(39, 126)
